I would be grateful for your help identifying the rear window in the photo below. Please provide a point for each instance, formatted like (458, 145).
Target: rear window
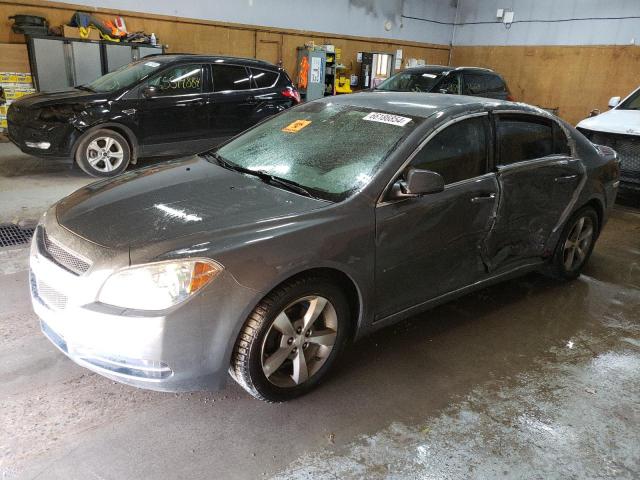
(263, 78)
(230, 77)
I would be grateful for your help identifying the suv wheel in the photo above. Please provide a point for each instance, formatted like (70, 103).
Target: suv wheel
(291, 339)
(103, 153)
(575, 244)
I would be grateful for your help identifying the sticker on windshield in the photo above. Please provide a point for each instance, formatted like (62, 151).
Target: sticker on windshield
(296, 126)
(152, 64)
(387, 118)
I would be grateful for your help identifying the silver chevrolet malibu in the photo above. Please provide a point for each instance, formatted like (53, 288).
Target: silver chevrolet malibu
(266, 256)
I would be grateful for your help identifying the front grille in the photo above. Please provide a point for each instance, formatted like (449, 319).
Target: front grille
(50, 296)
(63, 257)
(628, 148)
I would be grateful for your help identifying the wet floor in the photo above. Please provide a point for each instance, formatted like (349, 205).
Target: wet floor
(533, 378)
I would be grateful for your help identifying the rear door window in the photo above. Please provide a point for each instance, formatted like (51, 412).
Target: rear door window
(230, 77)
(560, 142)
(523, 137)
(457, 153)
(263, 78)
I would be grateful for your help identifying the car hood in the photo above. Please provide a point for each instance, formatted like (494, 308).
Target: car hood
(626, 122)
(172, 200)
(63, 97)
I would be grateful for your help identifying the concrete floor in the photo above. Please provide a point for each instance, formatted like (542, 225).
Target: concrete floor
(528, 379)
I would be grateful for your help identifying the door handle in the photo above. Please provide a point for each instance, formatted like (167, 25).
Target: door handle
(566, 178)
(251, 100)
(486, 198)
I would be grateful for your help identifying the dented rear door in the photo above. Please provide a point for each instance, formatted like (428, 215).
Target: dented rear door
(539, 181)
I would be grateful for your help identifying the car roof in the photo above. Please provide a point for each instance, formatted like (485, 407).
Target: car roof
(418, 104)
(179, 57)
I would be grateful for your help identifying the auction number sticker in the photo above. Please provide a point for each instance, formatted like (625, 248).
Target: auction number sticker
(152, 64)
(387, 118)
(296, 126)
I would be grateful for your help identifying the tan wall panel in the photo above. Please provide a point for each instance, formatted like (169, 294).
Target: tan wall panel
(197, 36)
(573, 79)
(14, 58)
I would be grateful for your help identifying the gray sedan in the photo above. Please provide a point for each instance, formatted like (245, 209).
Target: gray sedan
(266, 257)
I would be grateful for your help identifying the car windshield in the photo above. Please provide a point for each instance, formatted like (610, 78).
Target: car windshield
(631, 103)
(330, 150)
(420, 81)
(124, 77)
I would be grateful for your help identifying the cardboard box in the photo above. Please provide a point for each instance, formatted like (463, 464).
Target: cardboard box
(74, 32)
(14, 93)
(16, 77)
(3, 121)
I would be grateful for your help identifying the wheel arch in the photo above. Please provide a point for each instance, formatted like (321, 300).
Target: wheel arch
(353, 292)
(123, 130)
(597, 205)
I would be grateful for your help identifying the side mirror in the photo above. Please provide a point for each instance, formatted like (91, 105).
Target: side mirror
(150, 91)
(418, 182)
(613, 102)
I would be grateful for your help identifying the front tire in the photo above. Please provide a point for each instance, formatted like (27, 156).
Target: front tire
(103, 153)
(291, 339)
(575, 244)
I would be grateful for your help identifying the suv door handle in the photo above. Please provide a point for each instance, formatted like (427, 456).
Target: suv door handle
(251, 100)
(486, 198)
(566, 178)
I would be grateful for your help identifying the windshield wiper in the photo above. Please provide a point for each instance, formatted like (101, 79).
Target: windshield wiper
(262, 175)
(85, 88)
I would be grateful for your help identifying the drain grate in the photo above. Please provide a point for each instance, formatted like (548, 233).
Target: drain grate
(11, 234)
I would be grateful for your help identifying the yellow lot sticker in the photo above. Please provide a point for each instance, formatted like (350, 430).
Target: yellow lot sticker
(296, 126)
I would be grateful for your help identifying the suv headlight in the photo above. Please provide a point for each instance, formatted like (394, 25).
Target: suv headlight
(157, 286)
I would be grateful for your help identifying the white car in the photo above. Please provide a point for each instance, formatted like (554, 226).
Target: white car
(619, 128)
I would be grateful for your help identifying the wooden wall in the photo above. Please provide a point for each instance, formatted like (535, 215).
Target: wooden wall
(574, 79)
(198, 36)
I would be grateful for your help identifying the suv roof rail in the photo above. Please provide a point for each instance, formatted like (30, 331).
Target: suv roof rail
(475, 68)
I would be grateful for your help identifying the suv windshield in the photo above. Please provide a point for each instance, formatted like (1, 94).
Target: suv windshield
(124, 77)
(330, 150)
(419, 81)
(631, 103)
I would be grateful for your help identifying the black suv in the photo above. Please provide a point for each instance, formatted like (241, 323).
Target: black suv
(479, 82)
(160, 105)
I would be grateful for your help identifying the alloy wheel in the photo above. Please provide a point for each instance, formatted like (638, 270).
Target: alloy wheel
(105, 154)
(578, 243)
(299, 341)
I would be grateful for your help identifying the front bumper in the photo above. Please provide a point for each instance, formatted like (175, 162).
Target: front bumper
(25, 132)
(185, 348)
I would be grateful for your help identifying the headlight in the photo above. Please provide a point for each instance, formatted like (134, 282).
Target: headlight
(157, 286)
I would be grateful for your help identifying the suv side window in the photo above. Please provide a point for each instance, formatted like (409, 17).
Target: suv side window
(449, 84)
(180, 80)
(230, 77)
(459, 152)
(263, 78)
(494, 84)
(523, 137)
(475, 83)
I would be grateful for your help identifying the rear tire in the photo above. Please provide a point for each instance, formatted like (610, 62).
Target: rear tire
(575, 244)
(103, 153)
(291, 339)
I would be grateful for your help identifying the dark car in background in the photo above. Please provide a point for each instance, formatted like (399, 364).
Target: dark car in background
(415, 200)
(162, 105)
(475, 81)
